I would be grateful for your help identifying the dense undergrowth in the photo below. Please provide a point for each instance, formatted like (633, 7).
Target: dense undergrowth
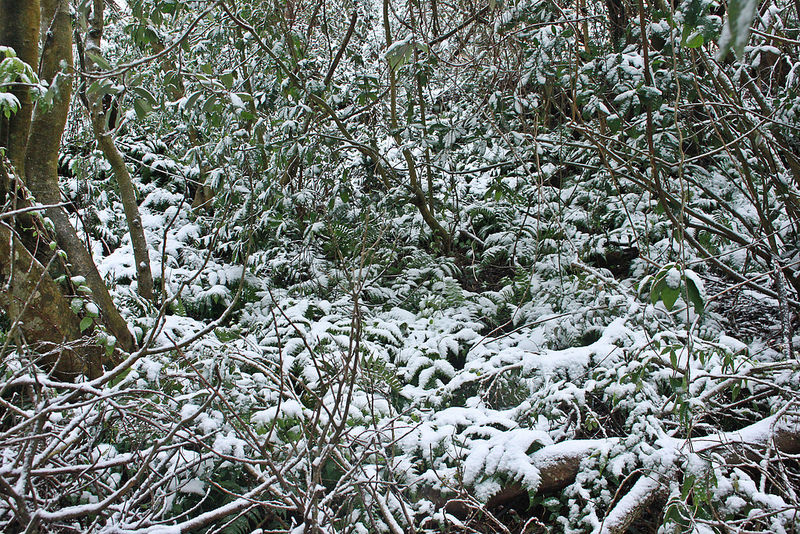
(319, 358)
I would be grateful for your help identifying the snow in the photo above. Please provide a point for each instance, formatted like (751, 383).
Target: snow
(287, 409)
(553, 456)
(194, 486)
(510, 361)
(8, 103)
(236, 101)
(758, 433)
(673, 278)
(151, 368)
(176, 328)
(229, 445)
(502, 454)
(641, 490)
(733, 344)
(152, 221)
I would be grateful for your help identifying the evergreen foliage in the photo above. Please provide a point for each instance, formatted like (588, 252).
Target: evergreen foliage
(423, 267)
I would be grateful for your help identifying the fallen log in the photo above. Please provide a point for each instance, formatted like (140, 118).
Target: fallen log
(558, 465)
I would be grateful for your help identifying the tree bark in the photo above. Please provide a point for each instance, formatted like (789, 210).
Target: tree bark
(36, 305)
(19, 29)
(34, 301)
(105, 141)
(618, 22)
(41, 164)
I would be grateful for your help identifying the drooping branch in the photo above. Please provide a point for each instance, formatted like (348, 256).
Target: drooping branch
(342, 47)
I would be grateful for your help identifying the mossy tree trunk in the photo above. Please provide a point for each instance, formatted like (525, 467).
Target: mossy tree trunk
(39, 308)
(29, 295)
(19, 29)
(41, 314)
(41, 163)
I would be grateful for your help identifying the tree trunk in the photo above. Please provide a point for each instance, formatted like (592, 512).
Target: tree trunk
(127, 192)
(43, 316)
(19, 29)
(41, 164)
(128, 196)
(618, 22)
(37, 306)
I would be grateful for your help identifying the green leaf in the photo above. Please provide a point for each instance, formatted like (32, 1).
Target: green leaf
(142, 107)
(669, 295)
(142, 35)
(658, 286)
(695, 41)
(192, 100)
(691, 20)
(208, 107)
(688, 484)
(9, 106)
(227, 79)
(86, 322)
(145, 95)
(398, 54)
(673, 514)
(110, 342)
(135, 80)
(99, 60)
(736, 30)
(692, 15)
(7, 51)
(614, 123)
(76, 305)
(102, 88)
(122, 376)
(649, 96)
(643, 284)
(694, 296)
